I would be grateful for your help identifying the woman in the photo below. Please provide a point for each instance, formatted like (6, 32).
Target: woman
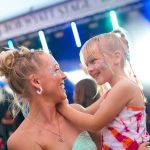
(37, 78)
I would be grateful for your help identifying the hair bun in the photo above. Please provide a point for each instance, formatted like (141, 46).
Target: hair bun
(24, 50)
(6, 61)
(120, 33)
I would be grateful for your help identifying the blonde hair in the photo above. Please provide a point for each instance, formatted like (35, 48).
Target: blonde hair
(106, 44)
(16, 66)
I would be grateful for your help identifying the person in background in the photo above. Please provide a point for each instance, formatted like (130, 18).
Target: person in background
(148, 116)
(86, 92)
(8, 126)
(1, 142)
(120, 116)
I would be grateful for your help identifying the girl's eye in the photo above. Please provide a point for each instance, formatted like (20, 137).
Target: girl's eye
(93, 61)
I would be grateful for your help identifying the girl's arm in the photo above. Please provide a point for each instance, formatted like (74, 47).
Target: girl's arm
(90, 109)
(93, 107)
(95, 137)
(144, 146)
(113, 104)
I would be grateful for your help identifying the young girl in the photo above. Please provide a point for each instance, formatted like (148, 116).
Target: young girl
(120, 115)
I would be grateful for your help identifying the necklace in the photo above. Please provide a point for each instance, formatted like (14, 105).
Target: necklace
(61, 139)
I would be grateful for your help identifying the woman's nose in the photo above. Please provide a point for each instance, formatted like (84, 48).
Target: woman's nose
(64, 76)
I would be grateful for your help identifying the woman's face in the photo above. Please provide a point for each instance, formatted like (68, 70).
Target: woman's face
(52, 78)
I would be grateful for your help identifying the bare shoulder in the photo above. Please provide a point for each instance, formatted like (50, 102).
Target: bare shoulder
(126, 86)
(128, 91)
(13, 143)
(19, 140)
(122, 91)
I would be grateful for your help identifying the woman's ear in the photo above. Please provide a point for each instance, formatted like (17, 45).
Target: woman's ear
(34, 81)
(117, 57)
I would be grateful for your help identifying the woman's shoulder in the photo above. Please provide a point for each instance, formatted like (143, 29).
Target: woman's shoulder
(20, 139)
(17, 139)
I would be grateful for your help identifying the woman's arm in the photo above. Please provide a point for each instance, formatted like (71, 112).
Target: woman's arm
(113, 104)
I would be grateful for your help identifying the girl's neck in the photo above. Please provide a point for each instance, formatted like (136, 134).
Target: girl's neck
(117, 77)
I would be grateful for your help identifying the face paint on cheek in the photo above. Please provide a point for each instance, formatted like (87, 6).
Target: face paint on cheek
(103, 65)
(50, 71)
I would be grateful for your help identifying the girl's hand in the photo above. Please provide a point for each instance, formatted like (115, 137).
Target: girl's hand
(62, 106)
(144, 146)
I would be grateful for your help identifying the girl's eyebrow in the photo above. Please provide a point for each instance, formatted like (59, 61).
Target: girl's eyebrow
(90, 58)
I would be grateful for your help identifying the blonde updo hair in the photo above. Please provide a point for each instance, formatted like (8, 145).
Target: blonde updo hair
(16, 66)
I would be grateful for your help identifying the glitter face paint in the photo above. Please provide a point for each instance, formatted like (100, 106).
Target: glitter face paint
(98, 63)
(103, 65)
(54, 69)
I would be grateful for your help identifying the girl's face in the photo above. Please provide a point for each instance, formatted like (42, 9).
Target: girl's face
(99, 68)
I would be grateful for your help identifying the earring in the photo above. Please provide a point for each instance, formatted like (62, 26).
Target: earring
(39, 91)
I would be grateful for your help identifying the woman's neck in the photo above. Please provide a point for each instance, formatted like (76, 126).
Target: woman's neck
(43, 112)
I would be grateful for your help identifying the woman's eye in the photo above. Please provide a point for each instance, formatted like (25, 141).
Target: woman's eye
(56, 70)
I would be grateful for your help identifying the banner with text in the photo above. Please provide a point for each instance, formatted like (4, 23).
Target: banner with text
(56, 15)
